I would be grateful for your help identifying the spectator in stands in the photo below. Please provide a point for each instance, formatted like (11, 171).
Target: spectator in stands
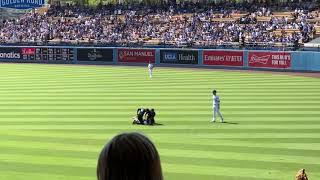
(129, 156)
(302, 175)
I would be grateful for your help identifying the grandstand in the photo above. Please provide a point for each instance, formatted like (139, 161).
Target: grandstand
(177, 26)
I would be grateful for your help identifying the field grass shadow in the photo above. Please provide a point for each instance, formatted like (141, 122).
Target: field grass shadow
(155, 124)
(225, 122)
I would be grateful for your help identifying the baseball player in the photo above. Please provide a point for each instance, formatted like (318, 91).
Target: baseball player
(216, 106)
(150, 69)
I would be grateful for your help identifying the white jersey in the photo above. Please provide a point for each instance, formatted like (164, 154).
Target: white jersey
(150, 66)
(216, 101)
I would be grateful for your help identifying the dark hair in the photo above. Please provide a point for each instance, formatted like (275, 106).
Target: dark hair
(129, 156)
(214, 92)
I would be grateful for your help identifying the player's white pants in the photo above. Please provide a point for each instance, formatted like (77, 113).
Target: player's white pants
(215, 111)
(150, 73)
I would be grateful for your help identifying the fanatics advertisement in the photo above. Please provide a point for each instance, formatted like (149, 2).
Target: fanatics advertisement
(7, 53)
(276, 60)
(179, 56)
(223, 58)
(137, 55)
(94, 54)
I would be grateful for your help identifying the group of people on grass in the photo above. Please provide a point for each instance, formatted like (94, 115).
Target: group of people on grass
(144, 116)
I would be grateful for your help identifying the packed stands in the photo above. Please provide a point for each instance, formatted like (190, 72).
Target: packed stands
(186, 25)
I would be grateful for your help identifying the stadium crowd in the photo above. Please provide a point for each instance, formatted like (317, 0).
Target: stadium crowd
(184, 25)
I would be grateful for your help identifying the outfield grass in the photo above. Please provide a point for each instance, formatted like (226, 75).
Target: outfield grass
(55, 119)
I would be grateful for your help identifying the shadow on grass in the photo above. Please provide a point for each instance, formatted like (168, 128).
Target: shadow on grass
(155, 124)
(225, 122)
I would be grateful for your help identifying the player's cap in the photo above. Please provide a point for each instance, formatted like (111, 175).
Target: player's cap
(214, 91)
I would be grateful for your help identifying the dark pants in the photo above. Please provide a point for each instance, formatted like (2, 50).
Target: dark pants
(150, 121)
(140, 119)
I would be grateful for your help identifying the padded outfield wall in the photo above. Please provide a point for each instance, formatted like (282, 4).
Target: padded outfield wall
(217, 58)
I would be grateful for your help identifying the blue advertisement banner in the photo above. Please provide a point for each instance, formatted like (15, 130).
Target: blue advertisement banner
(21, 4)
(179, 56)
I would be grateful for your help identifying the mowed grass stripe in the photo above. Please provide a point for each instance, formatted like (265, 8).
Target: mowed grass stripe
(175, 86)
(17, 174)
(73, 109)
(115, 103)
(121, 122)
(184, 161)
(233, 151)
(232, 118)
(168, 108)
(260, 139)
(210, 156)
(177, 120)
(207, 162)
(168, 92)
(245, 146)
(39, 170)
(262, 136)
(98, 104)
(283, 138)
(110, 113)
(172, 127)
(100, 84)
(32, 167)
(165, 98)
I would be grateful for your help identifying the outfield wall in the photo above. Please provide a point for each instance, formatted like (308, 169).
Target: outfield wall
(222, 58)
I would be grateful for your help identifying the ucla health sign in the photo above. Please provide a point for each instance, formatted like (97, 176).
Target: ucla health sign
(179, 56)
(21, 4)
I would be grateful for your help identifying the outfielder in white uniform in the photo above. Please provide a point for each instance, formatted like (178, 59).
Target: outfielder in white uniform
(150, 69)
(216, 106)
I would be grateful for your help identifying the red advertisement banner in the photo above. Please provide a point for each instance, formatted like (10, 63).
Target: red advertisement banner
(136, 55)
(28, 51)
(277, 60)
(223, 58)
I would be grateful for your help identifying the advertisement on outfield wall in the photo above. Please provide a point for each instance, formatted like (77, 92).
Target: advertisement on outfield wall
(223, 58)
(47, 54)
(179, 56)
(276, 60)
(94, 54)
(36, 54)
(8, 53)
(137, 55)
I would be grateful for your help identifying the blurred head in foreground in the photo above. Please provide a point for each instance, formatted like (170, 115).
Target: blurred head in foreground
(301, 175)
(129, 156)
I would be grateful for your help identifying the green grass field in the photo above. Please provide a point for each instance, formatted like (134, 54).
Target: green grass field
(54, 120)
